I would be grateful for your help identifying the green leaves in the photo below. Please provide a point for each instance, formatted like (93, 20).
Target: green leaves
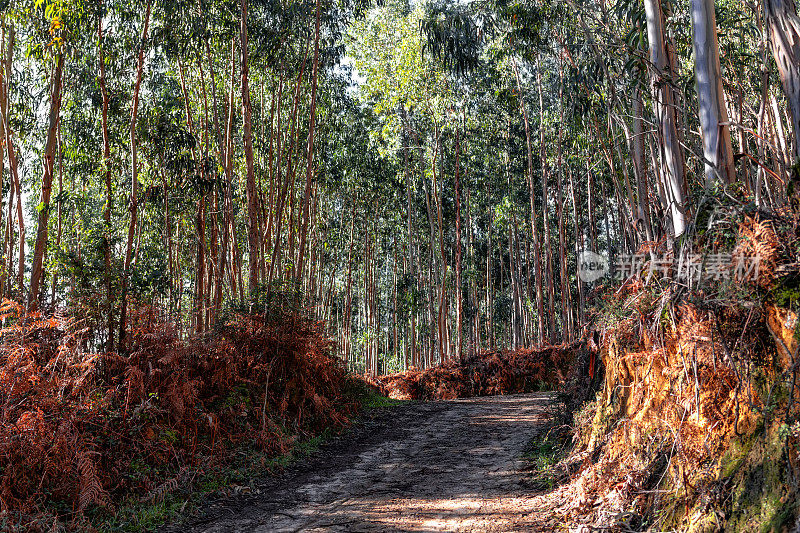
(455, 36)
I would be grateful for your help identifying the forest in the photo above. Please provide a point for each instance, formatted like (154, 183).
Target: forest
(228, 225)
(195, 156)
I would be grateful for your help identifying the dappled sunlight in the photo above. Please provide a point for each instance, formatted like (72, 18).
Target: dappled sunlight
(457, 469)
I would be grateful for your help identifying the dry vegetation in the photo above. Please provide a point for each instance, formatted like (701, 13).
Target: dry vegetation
(488, 373)
(696, 427)
(81, 432)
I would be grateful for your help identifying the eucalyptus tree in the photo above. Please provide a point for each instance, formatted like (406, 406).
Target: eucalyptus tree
(423, 176)
(783, 26)
(712, 108)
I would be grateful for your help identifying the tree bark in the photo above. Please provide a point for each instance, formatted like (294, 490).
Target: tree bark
(672, 163)
(108, 184)
(548, 250)
(540, 333)
(711, 99)
(250, 187)
(312, 116)
(37, 271)
(783, 26)
(459, 303)
(134, 200)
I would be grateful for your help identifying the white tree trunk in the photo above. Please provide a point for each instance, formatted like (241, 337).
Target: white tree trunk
(711, 99)
(672, 164)
(783, 26)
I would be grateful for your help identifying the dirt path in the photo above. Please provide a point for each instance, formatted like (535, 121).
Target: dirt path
(439, 466)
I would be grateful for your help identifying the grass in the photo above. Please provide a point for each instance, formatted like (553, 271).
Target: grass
(134, 515)
(373, 400)
(542, 456)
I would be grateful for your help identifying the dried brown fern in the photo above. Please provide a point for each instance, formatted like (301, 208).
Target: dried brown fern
(65, 413)
(91, 490)
(758, 241)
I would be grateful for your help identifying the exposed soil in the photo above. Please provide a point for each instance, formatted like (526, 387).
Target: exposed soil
(437, 466)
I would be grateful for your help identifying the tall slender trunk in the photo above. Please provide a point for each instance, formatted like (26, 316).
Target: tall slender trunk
(540, 333)
(711, 99)
(200, 216)
(590, 208)
(459, 302)
(213, 249)
(348, 310)
(232, 247)
(489, 286)
(672, 163)
(412, 261)
(108, 183)
(7, 252)
(59, 222)
(37, 271)
(312, 117)
(219, 271)
(288, 181)
(15, 188)
(250, 187)
(548, 250)
(566, 298)
(3, 110)
(783, 26)
(134, 200)
(639, 168)
(578, 248)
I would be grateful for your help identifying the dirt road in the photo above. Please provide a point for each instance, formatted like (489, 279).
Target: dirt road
(439, 466)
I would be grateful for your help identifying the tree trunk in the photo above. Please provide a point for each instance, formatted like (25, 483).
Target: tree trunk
(3, 111)
(639, 168)
(711, 99)
(250, 187)
(37, 272)
(783, 26)
(548, 250)
(566, 297)
(672, 163)
(133, 205)
(459, 303)
(59, 225)
(108, 183)
(534, 231)
(312, 116)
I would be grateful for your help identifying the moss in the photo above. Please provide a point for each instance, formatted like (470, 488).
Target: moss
(706, 523)
(786, 293)
(135, 515)
(760, 496)
(373, 400)
(735, 456)
(783, 516)
(606, 414)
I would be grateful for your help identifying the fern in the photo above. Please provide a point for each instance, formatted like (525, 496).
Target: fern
(91, 489)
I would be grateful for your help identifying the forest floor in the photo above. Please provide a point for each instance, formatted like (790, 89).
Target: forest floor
(436, 466)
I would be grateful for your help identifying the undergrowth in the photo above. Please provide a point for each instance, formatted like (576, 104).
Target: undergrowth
(543, 459)
(90, 438)
(697, 426)
(488, 373)
(237, 477)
